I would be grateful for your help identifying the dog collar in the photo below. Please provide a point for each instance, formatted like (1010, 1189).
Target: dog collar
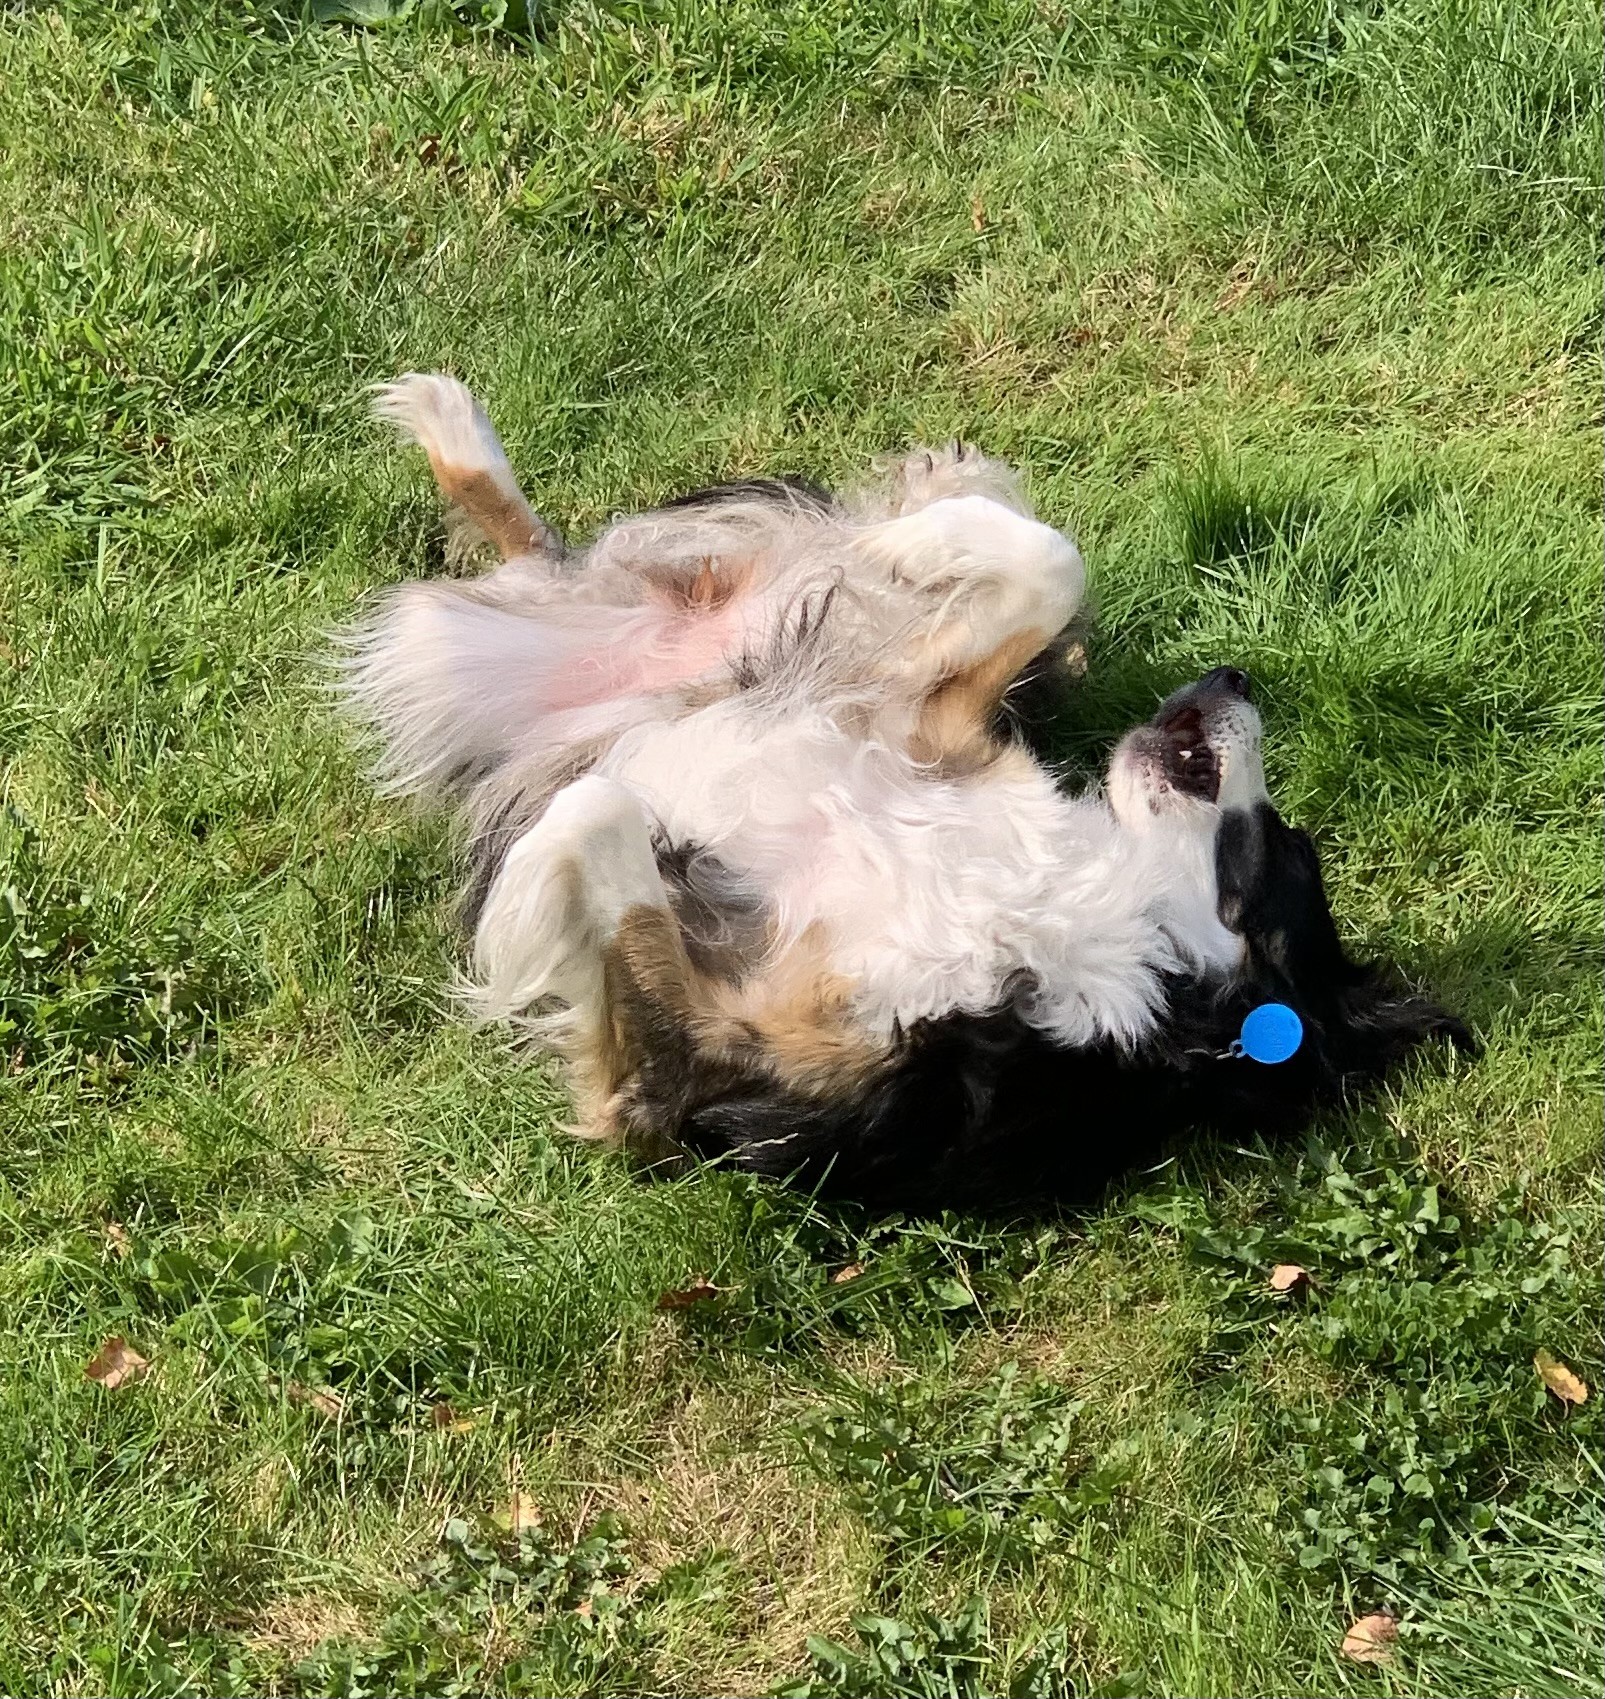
(1270, 1033)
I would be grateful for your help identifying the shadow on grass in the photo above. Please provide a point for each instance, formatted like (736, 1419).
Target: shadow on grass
(1500, 969)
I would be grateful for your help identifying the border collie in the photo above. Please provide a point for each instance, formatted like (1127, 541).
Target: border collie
(751, 845)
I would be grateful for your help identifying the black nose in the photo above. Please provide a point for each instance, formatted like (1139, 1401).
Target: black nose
(1233, 679)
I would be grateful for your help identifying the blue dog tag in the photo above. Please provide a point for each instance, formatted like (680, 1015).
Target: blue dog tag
(1271, 1033)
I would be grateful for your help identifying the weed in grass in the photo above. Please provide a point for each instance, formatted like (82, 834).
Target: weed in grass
(71, 993)
(931, 1655)
(584, 1622)
(1425, 1325)
(928, 1656)
(422, 1645)
(1001, 1469)
(786, 1292)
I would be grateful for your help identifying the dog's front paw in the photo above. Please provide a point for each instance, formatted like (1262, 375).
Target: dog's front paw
(959, 469)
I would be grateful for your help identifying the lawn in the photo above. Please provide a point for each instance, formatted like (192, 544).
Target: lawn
(1290, 313)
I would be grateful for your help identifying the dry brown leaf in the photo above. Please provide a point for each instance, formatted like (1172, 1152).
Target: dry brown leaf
(117, 1239)
(977, 214)
(698, 1292)
(843, 1275)
(1370, 1639)
(519, 1512)
(1289, 1277)
(583, 1608)
(326, 1403)
(1568, 1386)
(115, 1364)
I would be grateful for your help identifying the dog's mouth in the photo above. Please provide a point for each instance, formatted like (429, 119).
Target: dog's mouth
(1203, 740)
(1196, 726)
(1187, 759)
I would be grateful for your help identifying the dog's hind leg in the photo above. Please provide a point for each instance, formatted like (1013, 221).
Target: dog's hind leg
(579, 916)
(548, 931)
(558, 898)
(468, 461)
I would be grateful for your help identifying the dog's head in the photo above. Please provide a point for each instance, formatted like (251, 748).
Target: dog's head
(1193, 776)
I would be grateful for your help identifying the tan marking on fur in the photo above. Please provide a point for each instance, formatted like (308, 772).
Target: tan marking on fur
(793, 1018)
(953, 733)
(506, 518)
(705, 590)
(649, 950)
(601, 1061)
(714, 584)
(792, 1021)
(594, 1039)
(644, 958)
(802, 1013)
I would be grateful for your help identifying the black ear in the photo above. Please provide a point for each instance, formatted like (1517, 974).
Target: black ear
(1239, 864)
(1386, 1021)
(1270, 892)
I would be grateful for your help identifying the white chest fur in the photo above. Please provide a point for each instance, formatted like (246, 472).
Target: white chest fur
(935, 894)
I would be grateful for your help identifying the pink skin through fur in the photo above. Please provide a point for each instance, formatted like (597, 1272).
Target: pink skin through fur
(651, 650)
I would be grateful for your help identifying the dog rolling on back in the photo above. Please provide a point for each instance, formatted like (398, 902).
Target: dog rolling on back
(748, 844)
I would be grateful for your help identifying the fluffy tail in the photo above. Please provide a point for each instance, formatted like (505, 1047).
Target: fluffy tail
(468, 460)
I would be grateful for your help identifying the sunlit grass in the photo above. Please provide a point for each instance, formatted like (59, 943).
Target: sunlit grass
(1291, 315)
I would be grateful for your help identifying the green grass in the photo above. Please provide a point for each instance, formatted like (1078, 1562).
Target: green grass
(1291, 315)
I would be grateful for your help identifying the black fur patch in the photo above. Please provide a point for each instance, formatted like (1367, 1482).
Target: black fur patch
(723, 924)
(784, 491)
(1033, 708)
(798, 628)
